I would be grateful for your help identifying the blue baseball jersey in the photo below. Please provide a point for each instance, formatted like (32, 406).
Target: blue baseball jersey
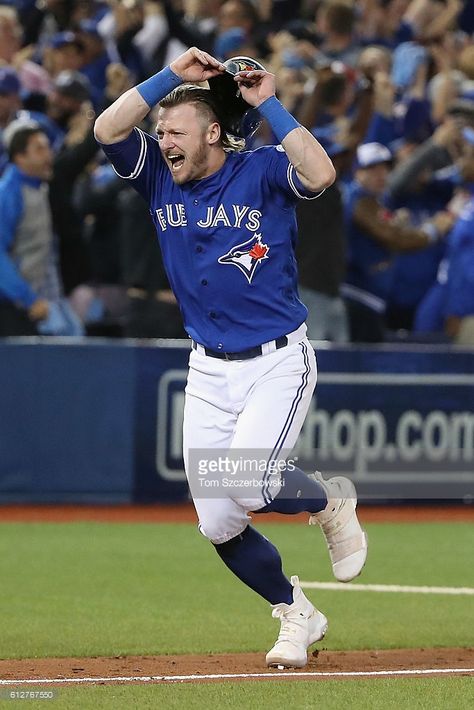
(228, 240)
(460, 300)
(453, 292)
(371, 266)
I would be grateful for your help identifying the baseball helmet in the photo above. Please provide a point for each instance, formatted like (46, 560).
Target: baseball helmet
(238, 118)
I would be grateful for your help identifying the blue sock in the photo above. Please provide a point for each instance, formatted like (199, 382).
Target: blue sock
(298, 494)
(257, 563)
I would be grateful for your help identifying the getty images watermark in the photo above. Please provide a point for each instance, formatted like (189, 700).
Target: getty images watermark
(216, 473)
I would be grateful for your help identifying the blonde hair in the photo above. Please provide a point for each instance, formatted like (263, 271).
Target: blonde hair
(208, 108)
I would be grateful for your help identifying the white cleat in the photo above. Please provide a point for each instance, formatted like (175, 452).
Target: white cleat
(346, 541)
(301, 625)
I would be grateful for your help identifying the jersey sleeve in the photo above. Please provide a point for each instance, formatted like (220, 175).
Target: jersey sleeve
(460, 293)
(138, 160)
(281, 174)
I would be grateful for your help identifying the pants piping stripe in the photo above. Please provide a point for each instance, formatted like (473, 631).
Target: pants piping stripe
(287, 425)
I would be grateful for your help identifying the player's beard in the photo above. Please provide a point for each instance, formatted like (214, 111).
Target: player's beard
(194, 166)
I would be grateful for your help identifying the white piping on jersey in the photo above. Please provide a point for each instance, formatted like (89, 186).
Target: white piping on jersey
(368, 299)
(141, 158)
(289, 174)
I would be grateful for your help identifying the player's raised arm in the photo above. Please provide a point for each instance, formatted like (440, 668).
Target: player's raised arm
(311, 162)
(116, 122)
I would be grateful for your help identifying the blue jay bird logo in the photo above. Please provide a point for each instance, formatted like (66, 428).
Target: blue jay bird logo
(247, 256)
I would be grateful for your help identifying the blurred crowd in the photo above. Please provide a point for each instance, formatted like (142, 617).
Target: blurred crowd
(386, 86)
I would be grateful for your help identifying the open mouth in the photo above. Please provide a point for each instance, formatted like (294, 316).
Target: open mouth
(176, 160)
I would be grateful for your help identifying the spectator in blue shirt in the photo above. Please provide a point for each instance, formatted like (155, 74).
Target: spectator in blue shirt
(375, 235)
(449, 304)
(30, 288)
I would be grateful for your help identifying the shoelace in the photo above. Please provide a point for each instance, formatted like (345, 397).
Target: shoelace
(287, 632)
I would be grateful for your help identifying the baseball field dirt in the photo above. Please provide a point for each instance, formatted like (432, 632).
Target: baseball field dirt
(164, 668)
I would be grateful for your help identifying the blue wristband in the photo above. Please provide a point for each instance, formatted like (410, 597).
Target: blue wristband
(158, 86)
(280, 120)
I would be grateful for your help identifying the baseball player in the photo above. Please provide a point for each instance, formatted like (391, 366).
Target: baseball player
(226, 224)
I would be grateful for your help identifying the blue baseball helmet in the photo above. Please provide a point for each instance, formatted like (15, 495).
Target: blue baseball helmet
(238, 118)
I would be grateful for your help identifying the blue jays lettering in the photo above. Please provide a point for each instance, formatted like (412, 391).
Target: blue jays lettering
(238, 216)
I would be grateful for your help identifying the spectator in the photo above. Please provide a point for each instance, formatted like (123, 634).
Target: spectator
(47, 18)
(375, 235)
(120, 28)
(64, 52)
(383, 126)
(449, 305)
(152, 308)
(304, 49)
(393, 72)
(33, 78)
(321, 259)
(87, 197)
(95, 58)
(294, 56)
(151, 37)
(423, 182)
(338, 109)
(96, 198)
(238, 13)
(330, 100)
(77, 151)
(336, 21)
(70, 91)
(239, 21)
(31, 299)
(195, 25)
(386, 23)
(9, 105)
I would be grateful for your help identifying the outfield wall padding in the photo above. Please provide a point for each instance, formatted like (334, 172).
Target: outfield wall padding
(99, 421)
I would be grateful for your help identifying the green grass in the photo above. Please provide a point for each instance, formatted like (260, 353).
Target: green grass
(389, 694)
(111, 589)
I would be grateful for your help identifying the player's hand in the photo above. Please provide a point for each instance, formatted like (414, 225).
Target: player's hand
(256, 86)
(80, 124)
(119, 80)
(39, 310)
(196, 65)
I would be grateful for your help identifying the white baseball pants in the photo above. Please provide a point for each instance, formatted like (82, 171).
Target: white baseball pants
(257, 405)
